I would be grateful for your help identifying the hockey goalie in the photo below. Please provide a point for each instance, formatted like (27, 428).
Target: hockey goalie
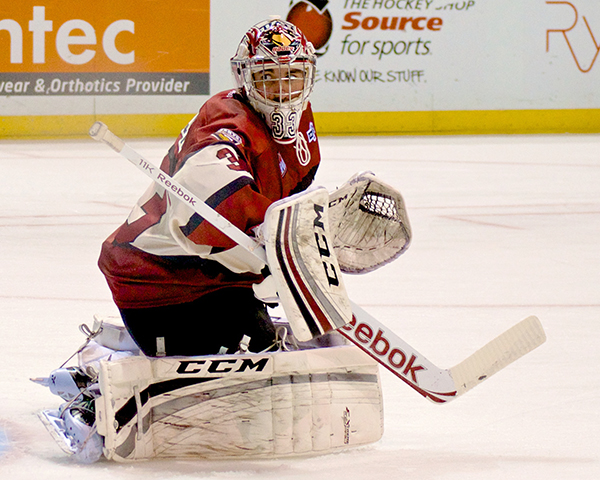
(292, 398)
(197, 366)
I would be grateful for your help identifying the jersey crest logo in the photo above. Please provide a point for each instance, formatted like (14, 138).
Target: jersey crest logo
(227, 135)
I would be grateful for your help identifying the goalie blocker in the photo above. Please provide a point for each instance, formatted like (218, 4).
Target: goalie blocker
(304, 267)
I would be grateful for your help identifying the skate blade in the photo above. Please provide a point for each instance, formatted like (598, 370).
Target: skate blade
(56, 427)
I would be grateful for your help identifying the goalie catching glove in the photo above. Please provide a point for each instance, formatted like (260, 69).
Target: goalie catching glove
(368, 222)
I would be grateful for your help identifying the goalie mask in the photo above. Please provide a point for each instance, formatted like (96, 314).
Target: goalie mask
(275, 66)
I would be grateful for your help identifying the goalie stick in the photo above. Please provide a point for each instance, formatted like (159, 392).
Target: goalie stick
(367, 333)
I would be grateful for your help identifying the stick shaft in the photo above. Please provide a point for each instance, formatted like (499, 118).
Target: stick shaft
(100, 132)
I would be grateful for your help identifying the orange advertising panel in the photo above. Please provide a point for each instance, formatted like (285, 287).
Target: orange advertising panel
(70, 47)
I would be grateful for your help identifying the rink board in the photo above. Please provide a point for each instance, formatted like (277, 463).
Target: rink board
(384, 66)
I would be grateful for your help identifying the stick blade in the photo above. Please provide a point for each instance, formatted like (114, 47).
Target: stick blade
(508, 347)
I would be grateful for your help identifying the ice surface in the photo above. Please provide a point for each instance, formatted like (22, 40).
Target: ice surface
(504, 227)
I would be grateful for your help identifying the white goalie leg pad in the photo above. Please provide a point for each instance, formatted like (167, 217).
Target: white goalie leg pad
(304, 265)
(251, 406)
(369, 223)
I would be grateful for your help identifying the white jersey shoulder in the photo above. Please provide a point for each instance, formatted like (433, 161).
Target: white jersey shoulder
(212, 174)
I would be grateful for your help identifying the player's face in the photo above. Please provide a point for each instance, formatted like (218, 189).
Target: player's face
(280, 83)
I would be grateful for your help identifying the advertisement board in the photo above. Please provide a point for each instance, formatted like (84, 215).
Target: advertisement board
(64, 63)
(443, 66)
(420, 55)
(384, 66)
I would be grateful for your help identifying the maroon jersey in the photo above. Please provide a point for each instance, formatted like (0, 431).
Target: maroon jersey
(165, 253)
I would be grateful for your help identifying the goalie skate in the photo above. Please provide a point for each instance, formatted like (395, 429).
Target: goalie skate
(73, 434)
(73, 425)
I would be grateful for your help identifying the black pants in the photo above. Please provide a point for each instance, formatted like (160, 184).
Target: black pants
(202, 327)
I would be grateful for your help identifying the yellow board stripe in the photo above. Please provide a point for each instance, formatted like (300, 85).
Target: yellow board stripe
(459, 122)
(77, 126)
(328, 123)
